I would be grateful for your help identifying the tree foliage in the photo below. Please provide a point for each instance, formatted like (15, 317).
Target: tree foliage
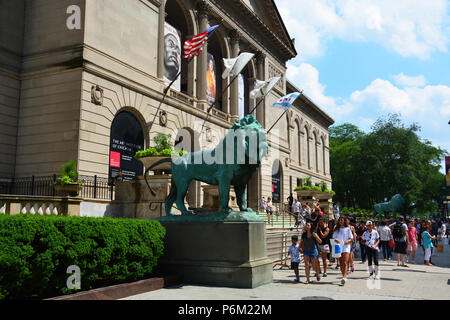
(369, 168)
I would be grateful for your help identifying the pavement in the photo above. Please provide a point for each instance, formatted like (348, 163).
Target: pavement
(396, 283)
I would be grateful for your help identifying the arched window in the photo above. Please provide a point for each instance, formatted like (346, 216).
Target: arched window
(295, 143)
(307, 145)
(126, 138)
(314, 151)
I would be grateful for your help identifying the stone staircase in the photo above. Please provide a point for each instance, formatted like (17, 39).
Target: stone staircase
(280, 221)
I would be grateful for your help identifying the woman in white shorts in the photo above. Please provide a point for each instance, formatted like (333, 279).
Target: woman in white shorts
(343, 236)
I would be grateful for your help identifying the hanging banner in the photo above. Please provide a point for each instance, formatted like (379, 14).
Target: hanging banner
(241, 97)
(172, 55)
(211, 80)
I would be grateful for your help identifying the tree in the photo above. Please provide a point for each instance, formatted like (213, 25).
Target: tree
(391, 159)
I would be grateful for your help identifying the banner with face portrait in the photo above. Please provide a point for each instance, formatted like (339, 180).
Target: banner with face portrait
(211, 80)
(172, 55)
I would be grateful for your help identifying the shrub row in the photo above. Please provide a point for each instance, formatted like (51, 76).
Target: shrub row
(35, 252)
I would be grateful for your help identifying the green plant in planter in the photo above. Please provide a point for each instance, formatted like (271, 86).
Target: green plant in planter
(307, 182)
(68, 173)
(302, 188)
(162, 148)
(162, 142)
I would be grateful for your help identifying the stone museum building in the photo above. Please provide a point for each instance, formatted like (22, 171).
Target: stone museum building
(83, 79)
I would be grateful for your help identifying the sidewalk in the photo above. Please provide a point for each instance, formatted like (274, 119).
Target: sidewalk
(416, 282)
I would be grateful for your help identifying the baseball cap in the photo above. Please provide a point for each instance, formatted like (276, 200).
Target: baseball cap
(368, 223)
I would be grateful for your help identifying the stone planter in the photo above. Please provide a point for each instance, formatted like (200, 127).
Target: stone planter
(326, 204)
(149, 161)
(68, 190)
(307, 194)
(324, 196)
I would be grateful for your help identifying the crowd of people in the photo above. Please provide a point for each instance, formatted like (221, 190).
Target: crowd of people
(403, 238)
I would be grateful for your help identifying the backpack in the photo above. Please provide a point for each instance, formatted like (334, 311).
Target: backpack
(398, 232)
(319, 212)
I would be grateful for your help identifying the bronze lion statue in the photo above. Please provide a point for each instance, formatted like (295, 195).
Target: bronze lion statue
(232, 162)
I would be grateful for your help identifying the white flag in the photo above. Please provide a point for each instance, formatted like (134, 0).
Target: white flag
(262, 88)
(234, 66)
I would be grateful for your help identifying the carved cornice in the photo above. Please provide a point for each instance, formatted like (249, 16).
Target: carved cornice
(277, 49)
(235, 35)
(260, 57)
(203, 9)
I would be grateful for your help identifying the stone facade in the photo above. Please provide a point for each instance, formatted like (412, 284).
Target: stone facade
(60, 89)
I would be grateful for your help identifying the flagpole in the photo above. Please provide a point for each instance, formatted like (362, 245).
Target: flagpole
(166, 90)
(257, 105)
(278, 120)
(281, 116)
(212, 106)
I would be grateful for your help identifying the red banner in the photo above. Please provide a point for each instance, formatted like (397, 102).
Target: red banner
(114, 159)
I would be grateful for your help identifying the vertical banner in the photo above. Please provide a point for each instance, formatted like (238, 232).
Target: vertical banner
(447, 170)
(211, 80)
(172, 55)
(276, 182)
(126, 138)
(241, 97)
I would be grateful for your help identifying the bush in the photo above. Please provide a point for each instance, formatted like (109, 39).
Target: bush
(302, 188)
(154, 152)
(36, 252)
(162, 141)
(68, 173)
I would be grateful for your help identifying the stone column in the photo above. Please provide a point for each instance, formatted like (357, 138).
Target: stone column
(234, 88)
(260, 58)
(202, 59)
(162, 19)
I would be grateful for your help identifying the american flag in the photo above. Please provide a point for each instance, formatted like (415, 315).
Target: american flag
(195, 46)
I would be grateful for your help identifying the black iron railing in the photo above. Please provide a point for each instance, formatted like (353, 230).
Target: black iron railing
(93, 187)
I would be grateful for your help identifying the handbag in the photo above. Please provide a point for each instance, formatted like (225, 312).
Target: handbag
(391, 244)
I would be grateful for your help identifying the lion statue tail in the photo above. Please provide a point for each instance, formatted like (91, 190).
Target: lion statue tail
(152, 166)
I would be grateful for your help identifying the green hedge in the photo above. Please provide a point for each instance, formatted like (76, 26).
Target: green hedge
(36, 251)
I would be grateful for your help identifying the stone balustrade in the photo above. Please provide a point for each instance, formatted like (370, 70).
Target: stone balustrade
(36, 205)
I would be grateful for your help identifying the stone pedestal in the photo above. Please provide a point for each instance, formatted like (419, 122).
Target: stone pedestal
(211, 200)
(219, 253)
(135, 200)
(307, 196)
(326, 204)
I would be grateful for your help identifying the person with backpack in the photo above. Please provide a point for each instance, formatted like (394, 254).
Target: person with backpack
(318, 210)
(401, 242)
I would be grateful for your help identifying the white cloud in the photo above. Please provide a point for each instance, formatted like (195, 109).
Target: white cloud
(306, 77)
(408, 27)
(409, 81)
(429, 106)
(428, 102)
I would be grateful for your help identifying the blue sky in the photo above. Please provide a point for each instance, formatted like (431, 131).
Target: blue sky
(363, 59)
